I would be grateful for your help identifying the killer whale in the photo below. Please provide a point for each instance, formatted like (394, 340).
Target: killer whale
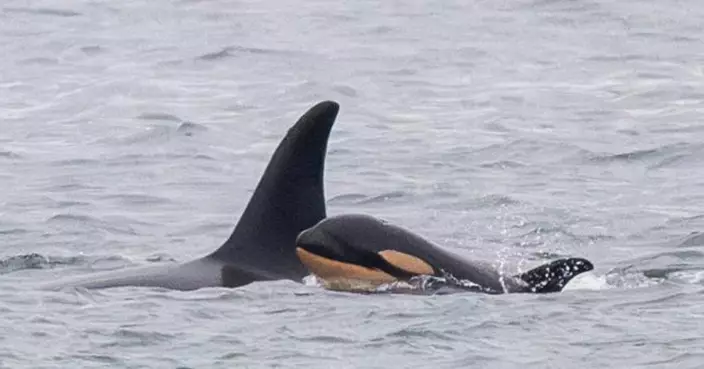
(358, 252)
(288, 199)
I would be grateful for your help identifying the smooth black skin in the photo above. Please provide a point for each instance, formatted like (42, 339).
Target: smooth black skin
(356, 239)
(288, 199)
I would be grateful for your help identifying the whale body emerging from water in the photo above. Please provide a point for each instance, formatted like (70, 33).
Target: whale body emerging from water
(356, 252)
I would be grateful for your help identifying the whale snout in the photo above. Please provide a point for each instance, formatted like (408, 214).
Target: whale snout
(318, 242)
(305, 236)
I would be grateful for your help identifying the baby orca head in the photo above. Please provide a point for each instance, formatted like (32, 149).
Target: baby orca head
(355, 248)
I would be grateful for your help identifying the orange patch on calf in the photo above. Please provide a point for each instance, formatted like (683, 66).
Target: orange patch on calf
(407, 262)
(334, 271)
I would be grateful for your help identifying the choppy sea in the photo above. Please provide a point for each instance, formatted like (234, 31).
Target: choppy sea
(133, 133)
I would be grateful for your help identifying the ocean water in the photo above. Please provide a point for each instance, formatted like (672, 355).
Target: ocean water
(133, 133)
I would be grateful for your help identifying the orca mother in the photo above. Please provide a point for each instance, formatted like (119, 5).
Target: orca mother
(355, 252)
(288, 199)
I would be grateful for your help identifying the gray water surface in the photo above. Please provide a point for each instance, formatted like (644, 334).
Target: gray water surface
(133, 133)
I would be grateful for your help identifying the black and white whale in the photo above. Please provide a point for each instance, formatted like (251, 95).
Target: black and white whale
(288, 199)
(356, 252)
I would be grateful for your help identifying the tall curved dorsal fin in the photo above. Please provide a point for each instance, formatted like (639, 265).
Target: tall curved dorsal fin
(288, 199)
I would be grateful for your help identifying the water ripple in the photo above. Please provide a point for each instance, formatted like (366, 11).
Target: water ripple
(42, 11)
(231, 51)
(9, 154)
(361, 199)
(693, 239)
(505, 130)
(83, 221)
(35, 261)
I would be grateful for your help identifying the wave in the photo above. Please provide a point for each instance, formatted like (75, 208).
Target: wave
(35, 261)
(137, 199)
(66, 219)
(361, 199)
(159, 116)
(43, 11)
(502, 164)
(513, 153)
(537, 235)
(680, 267)
(654, 158)
(21, 262)
(9, 154)
(693, 239)
(231, 51)
(164, 133)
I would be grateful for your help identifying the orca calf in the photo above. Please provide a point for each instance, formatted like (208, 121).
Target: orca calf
(359, 253)
(288, 199)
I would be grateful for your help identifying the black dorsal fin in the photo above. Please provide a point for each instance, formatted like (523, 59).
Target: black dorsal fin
(553, 277)
(288, 199)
